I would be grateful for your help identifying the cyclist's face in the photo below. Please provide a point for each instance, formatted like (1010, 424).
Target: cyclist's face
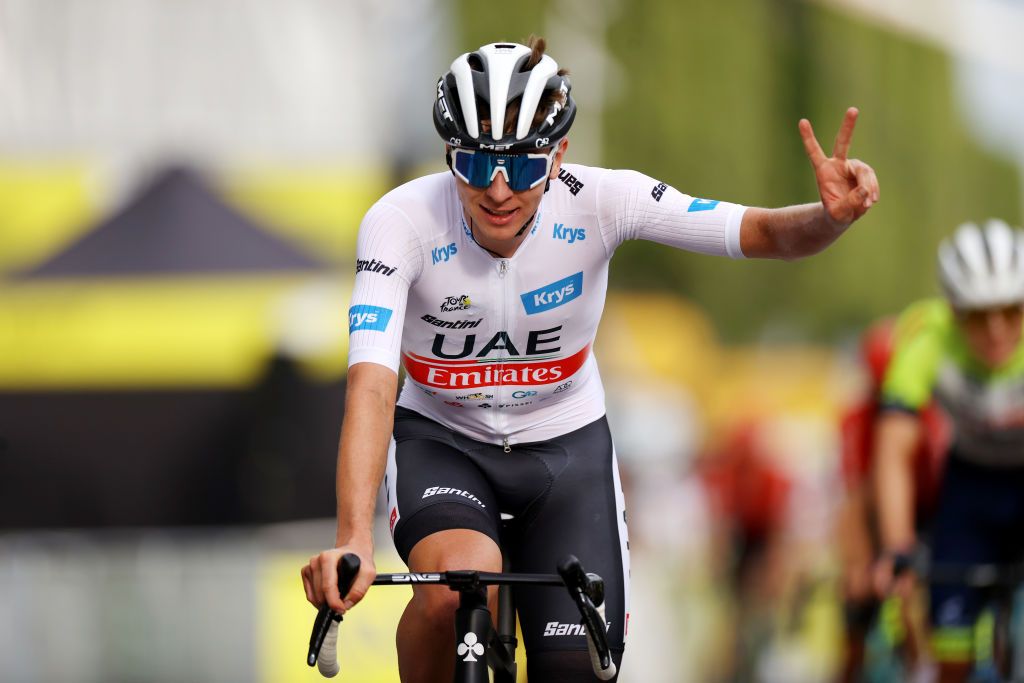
(993, 333)
(497, 212)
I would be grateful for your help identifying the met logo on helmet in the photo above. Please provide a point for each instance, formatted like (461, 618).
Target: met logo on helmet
(442, 102)
(554, 295)
(368, 318)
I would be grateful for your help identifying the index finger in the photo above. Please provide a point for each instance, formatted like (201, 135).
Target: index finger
(811, 146)
(329, 583)
(845, 135)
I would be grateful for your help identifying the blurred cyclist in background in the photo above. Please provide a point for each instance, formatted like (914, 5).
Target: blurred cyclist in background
(487, 284)
(967, 352)
(857, 530)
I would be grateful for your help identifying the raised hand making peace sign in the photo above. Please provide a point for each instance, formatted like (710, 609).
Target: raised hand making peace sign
(848, 187)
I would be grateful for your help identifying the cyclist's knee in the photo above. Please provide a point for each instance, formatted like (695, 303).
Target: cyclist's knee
(455, 549)
(435, 605)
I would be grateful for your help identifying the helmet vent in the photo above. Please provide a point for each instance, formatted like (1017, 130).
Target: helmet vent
(475, 63)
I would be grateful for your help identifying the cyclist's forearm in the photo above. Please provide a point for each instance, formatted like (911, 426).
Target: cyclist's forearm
(790, 232)
(362, 455)
(896, 438)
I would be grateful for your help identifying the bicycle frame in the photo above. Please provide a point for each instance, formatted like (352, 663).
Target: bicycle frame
(478, 644)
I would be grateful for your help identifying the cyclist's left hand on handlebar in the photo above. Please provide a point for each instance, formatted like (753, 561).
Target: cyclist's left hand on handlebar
(890, 579)
(848, 187)
(320, 577)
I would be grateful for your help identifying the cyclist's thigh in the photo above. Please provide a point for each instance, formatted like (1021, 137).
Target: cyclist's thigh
(433, 486)
(581, 513)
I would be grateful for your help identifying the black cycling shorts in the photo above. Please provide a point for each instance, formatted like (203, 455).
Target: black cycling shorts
(980, 520)
(563, 496)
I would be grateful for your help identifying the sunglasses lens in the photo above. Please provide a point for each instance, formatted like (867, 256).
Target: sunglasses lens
(527, 173)
(522, 172)
(471, 168)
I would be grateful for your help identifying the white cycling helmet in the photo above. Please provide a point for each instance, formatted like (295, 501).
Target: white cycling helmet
(983, 267)
(498, 75)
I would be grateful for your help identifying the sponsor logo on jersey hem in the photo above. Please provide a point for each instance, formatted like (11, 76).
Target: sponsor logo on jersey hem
(478, 396)
(375, 266)
(554, 295)
(477, 373)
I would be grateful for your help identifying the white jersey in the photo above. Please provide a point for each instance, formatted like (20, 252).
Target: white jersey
(501, 349)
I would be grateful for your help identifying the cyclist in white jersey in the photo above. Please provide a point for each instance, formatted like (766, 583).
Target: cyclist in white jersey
(487, 285)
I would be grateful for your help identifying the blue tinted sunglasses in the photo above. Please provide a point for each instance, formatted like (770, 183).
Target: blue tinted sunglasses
(521, 171)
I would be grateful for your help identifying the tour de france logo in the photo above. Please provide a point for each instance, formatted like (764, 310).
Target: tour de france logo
(455, 303)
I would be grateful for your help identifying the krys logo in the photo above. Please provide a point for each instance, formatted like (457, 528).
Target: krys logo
(442, 254)
(553, 295)
(702, 205)
(560, 232)
(368, 318)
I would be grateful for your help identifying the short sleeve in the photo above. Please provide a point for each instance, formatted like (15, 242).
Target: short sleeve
(632, 205)
(918, 350)
(388, 262)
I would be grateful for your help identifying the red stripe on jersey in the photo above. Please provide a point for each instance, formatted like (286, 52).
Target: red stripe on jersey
(473, 374)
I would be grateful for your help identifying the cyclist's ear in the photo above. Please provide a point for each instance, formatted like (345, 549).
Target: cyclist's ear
(556, 163)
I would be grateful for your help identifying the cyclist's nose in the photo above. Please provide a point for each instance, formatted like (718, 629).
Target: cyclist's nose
(996, 325)
(499, 191)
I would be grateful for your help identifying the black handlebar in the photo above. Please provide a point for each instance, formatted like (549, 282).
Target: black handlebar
(585, 589)
(348, 568)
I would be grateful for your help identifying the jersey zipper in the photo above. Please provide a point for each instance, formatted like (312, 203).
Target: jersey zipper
(498, 422)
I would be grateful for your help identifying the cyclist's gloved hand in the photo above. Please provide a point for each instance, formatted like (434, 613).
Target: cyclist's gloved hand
(894, 574)
(320, 577)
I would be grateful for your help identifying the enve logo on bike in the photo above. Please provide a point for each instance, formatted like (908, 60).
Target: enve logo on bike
(416, 578)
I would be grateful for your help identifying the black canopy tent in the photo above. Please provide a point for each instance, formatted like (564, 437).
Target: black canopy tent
(176, 225)
(171, 453)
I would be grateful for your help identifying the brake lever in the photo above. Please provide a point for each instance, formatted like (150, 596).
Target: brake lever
(585, 592)
(348, 568)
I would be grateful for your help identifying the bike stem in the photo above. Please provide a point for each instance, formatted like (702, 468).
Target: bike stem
(472, 630)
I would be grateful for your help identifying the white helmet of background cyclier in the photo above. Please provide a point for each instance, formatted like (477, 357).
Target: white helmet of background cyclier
(983, 267)
(498, 75)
